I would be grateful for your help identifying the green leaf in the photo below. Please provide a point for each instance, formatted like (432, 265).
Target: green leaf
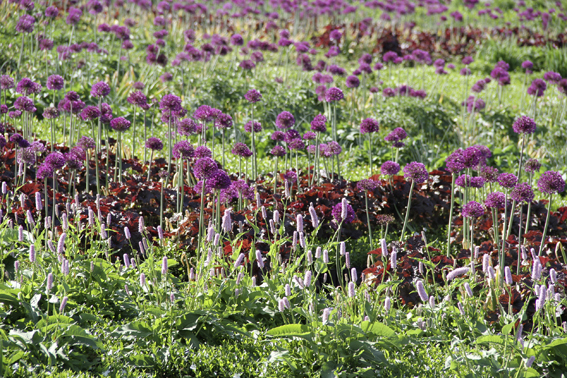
(289, 330)
(507, 328)
(377, 329)
(136, 329)
(327, 369)
(494, 339)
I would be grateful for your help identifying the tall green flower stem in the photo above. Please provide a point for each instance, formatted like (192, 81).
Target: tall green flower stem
(521, 157)
(519, 238)
(407, 211)
(222, 132)
(145, 136)
(134, 132)
(528, 215)
(97, 150)
(181, 190)
(255, 161)
(275, 174)
(451, 214)
(546, 225)
(503, 248)
(150, 163)
(368, 220)
(201, 225)
(370, 154)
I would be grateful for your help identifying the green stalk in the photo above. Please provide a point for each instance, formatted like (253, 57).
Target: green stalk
(368, 220)
(407, 211)
(546, 225)
(451, 214)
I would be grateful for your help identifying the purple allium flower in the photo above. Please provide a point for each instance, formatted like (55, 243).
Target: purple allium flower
(90, 113)
(318, 123)
(138, 85)
(154, 144)
(552, 77)
(527, 65)
(166, 77)
(120, 124)
(55, 82)
(51, 12)
(474, 104)
(24, 104)
(524, 125)
(334, 148)
(390, 168)
(236, 40)
(138, 98)
(106, 113)
(170, 103)
(464, 181)
(421, 56)
(335, 35)
(396, 135)
(551, 182)
(44, 171)
(278, 136)
(247, 64)
(334, 94)
(223, 121)
(309, 136)
(73, 161)
(25, 24)
(257, 126)
(296, 144)
(522, 193)
(285, 120)
(15, 114)
(352, 82)
(253, 96)
(241, 150)
(477, 182)
(51, 113)
(562, 86)
(489, 174)
(369, 125)
(183, 150)
(55, 160)
(367, 184)
(6, 82)
(73, 16)
(337, 213)
(467, 60)
(86, 143)
(390, 56)
(416, 172)
(204, 168)
(278, 151)
(532, 165)
(290, 176)
(3, 142)
(204, 113)
(472, 209)
(186, 126)
(537, 88)
(507, 180)
(472, 156)
(202, 152)
(25, 155)
(495, 200)
(465, 71)
(28, 87)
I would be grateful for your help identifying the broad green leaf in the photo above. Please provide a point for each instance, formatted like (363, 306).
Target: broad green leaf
(377, 329)
(289, 330)
(494, 339)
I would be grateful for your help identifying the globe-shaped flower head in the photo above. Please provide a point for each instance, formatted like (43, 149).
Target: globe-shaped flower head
(204, 168)
(55, 82)
(55, 160)
(241, 150)
(278, 151)
(369, 125)
(338, 213)
(522, 193)
(154, 144)
(472, 209)
(285, 120)
(524, 125)
(100, 89)
(120, 124)
(253, 96)
(416, 172)
(532, 165)
(170, 103)
(183, 150)
(551, 182)
(390, 168)
(334, 94)
(318, 123)
(495, 200)
(507, 180)
(366, 184)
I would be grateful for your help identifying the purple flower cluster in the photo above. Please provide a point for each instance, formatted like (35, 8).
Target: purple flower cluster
(390, 168)
(524, 125)
(285, 120)
(551, 182)
(337, 213)
(416, 172)
(472, 209)
(369, 125)
(522, 193)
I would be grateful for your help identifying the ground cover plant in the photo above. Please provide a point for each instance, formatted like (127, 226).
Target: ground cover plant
(350, 189)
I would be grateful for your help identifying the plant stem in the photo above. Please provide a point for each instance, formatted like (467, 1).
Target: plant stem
(407, 211)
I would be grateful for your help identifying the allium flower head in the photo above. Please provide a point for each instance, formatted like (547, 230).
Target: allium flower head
(552, 77)
(472, 156)
(44, 171)
(223, 121)
(290, 176)
(551, 182)
(396, 135)
(170, 103)
(507, 180)
(278, 151)
(120, 124)
(183, 150)
(369, 125)
(495, 200)
(537, 88)
(51, 12)
(334, 94)
(51, 112)
(28, 87)
(138, 98)
(390, 168)
(490, 174)
(278, 136)
(25, 24)
(390, 56)
(90, 113)
(524, 125)
(100, 89)
(55, 160)
(241, 150)
(309, 136)
(352, 82)
(333, 148)
(86, 143)
(285, 120)
(367, 184)
(55, 82)
(249, 124)
(527, 65)
(522, 193)
(337, 213)
(253, 96)
(24, 104)
(532, 165)
(472, 209)
(204, 168)
(236, 40)
(416, 172)
(6, 82)
(318, 123)
(154, 144)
